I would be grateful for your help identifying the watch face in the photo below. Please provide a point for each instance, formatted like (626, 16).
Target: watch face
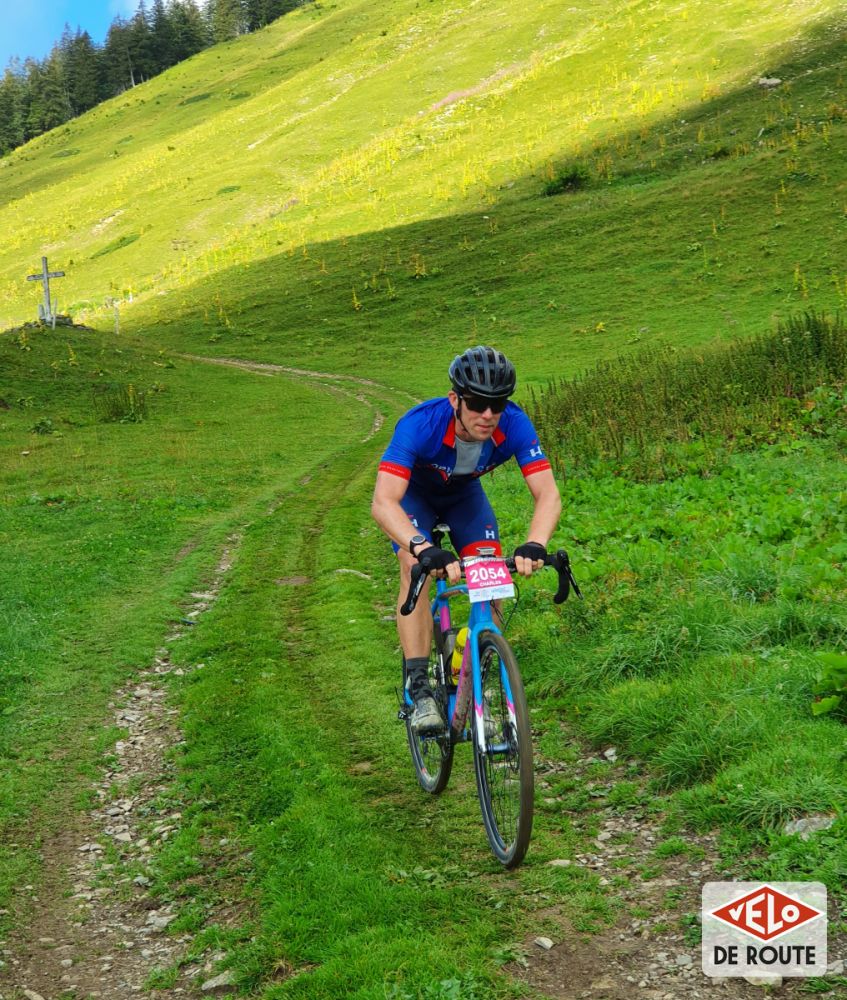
(417, 540)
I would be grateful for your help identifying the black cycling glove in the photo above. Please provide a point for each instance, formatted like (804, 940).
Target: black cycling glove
(436, 558)
(531, 550)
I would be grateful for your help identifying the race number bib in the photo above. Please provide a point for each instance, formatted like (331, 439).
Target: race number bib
(488, 580)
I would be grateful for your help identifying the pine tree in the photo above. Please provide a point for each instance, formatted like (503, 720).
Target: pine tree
(262, 12)
(82, 72)
(162, 32)
(118, 69)
(11, 109)
(227, 19)
(56, 102)
(191, 33)
(140, 42)
(33, 85)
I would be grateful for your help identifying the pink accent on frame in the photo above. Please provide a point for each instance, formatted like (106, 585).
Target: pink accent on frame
(444, 617)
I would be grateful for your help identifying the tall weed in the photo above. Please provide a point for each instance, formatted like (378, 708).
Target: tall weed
(119, 403)
(638, 409)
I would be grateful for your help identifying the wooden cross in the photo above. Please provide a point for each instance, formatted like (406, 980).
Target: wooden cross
(46, 311)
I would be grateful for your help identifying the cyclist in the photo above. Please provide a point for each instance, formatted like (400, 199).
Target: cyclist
(430, 473)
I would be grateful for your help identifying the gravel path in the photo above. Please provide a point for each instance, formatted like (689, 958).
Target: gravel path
(95, 929)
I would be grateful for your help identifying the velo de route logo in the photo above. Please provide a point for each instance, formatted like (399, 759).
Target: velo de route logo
(750, 928)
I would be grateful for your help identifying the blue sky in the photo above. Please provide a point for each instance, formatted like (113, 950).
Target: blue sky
(30, 27)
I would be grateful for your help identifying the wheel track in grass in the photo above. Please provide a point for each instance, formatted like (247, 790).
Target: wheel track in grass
(328, 380)
(612, 964)
(636, 956)
(91, 929)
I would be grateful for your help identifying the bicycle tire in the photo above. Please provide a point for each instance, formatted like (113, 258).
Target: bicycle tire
(505, 777)
(432, 756)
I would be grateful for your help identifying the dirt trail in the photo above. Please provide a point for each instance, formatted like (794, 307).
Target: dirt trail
(94, 930)
(653, 952)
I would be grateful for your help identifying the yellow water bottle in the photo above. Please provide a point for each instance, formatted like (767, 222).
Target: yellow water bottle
(458, 654)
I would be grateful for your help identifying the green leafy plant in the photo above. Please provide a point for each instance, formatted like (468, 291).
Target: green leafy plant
(572, 178)
(831, 686)
(692, 930)
(511, 952)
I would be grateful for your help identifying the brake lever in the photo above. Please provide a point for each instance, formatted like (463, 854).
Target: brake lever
(560, 561)
(419, 575)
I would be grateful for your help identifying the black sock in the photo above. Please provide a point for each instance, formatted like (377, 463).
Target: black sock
(416, 672)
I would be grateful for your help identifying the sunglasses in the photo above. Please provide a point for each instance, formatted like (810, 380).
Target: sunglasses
(479, 404)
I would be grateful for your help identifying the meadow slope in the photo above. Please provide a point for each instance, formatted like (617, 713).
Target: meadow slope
(360, 190)
(377, 173)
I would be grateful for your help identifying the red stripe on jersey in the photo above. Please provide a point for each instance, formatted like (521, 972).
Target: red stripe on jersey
(395, 470)
(540, 466)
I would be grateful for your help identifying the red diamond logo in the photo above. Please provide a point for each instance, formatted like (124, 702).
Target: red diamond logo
(766, 913)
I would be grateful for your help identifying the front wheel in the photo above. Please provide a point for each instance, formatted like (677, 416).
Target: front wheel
(504, 769)
(432, 756)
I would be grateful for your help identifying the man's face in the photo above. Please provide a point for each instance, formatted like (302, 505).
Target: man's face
(479, 426)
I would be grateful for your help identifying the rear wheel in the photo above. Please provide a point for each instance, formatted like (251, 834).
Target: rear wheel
(504, 769)
(432, 755)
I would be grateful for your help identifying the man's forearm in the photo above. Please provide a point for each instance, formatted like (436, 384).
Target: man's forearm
(394, 521)
(545, 518)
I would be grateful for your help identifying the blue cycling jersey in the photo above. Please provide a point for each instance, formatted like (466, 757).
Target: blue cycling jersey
(423, 448)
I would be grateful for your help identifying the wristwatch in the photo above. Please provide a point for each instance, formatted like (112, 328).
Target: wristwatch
(416, 540)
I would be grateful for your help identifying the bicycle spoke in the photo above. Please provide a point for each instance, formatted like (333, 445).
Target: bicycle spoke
(504, 769)
(432, 756)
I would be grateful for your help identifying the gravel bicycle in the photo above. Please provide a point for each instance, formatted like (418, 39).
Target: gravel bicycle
(478, 687)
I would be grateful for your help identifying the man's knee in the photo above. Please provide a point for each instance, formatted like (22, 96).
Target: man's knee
(407, 561)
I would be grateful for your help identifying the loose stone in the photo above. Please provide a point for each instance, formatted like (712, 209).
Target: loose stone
(219, 983)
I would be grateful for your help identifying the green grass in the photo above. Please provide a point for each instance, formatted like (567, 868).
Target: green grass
(437, 222)
(693, 651)
(106, 528)
(361, 189)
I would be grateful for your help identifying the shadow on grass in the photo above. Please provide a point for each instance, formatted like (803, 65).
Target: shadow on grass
(677, 243)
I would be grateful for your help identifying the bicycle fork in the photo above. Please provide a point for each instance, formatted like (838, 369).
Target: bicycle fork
(470, 680)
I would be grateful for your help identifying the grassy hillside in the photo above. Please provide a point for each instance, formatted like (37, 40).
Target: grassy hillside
(106, 526)
(377, 172)
(364, 189)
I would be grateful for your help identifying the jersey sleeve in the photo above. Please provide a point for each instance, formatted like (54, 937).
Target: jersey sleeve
(528, 452)
(401, 453)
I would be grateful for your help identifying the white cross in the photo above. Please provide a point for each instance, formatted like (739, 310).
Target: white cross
(44, 278)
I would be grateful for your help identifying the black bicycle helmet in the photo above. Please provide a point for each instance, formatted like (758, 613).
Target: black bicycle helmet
(483, 371)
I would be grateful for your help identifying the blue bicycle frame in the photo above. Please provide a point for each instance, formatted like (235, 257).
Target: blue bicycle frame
(459, 701)
(490, 688)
